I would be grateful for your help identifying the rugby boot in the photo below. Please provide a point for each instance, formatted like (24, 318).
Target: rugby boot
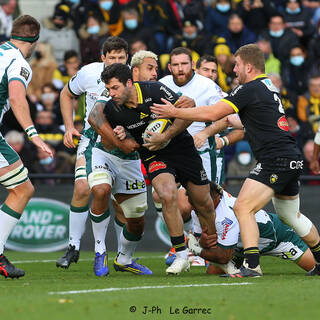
(7, 269)
(71, 255)
(315, 271)
(179, 265)
(132, 267)
(100, 265)
(244, 272)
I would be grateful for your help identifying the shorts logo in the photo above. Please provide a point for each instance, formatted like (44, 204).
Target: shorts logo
(273, 178)
(203, 175)
(25, 73)
(135, 185)
(283, 123)
(156, 165)
(256, 170)
(296, 164)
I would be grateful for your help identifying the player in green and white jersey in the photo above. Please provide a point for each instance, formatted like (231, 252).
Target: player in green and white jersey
(15, 75)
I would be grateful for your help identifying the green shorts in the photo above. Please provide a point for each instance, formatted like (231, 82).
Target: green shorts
(7, 154)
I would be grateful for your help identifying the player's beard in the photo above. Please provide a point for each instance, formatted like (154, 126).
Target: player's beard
(183, 80)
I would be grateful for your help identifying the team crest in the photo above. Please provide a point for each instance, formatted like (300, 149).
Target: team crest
(273, 178)
(24, 73)
(143, 115)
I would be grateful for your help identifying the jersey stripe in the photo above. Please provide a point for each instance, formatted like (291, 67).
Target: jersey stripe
(234, 107)
(140, 99)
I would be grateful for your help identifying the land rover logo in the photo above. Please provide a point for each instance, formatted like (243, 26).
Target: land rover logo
(43, 227)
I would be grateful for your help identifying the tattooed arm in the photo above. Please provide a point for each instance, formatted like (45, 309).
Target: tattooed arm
(101, 125)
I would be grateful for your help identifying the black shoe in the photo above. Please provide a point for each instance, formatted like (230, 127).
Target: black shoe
(244, 273)
(70, 256)
(315, 271)
(7, 269)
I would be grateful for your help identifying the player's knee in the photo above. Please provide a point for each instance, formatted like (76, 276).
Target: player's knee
(168, 194)
(288, 212)
(101, 192)
(81, 189)
(135, 206)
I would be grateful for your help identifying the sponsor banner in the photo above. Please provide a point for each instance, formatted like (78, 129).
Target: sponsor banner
(43, 227)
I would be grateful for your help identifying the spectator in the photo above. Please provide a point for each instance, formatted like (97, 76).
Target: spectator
(57, 30)
(48, 130)
(314, 7)
(136, 45)
(295, 72)
(7, 8)
(281, 38)
(237, 33)
(50, 102)
(298, 20)
(132, 29)
(225, 64)
(43, 65)
(242, 162)
(22, 146)
(92, 34)
(191, 38)
(308, 107)
(272, 64)
(217, 17)
(256, 13)
(67, 70)
(314, 52)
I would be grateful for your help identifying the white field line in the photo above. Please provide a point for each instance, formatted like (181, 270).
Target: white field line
(148, 287)
(88, 259)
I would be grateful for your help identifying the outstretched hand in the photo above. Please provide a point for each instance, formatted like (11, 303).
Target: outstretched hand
(37, 141)
(68, 137)
(166, 110)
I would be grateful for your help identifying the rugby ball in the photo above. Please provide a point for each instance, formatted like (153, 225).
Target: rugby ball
(158, 126)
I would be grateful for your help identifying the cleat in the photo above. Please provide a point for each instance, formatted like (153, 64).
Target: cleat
(100, 267)
(7, 269)
(197, 262)
(71, 255)
(179, 265)
(170, 258)
(315, 271)
(132, 267)
(244, 272)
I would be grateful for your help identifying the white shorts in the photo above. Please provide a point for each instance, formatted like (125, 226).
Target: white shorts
(82, 146)
(209, 164)
(287, 250)
(126, 174)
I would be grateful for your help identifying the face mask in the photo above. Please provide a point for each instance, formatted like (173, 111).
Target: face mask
(131, 23)
(244, 158)
(93, 29)
(276, 34)
(46, 161)
(74, 1)
(297, 60)
(223, 7)
(295, 11)
(59, 25)
(48, 96)
(106, 5)
(38, 55)
(190, 36)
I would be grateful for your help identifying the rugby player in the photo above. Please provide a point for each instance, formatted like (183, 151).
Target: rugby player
(276, 238)
(16, 74)
(87, 81)
(279, 160)
(129, 108)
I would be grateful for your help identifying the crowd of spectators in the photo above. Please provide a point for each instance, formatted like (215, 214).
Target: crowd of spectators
(287, 31)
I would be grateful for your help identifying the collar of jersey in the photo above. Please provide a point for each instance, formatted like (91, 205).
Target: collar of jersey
(12, 45)
(140, 98)
(260, 76)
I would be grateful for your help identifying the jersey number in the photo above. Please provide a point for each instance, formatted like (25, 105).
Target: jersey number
(277, 99)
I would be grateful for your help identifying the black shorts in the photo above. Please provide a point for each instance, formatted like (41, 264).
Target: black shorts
(185, 165)
(280, 174)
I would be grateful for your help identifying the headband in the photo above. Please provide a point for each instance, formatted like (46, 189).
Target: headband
(26, 39)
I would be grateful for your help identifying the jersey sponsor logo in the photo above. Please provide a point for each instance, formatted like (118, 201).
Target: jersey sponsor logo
(235, 90)
(104, 167)
(143, 115)
(156, 165)
(273, 178)
(169, 95)
(226, 223)
(296, 164)
(203, 175)
(24, 72)
(147, 100)
(257, 169)
(268, 83)
(135, 185)
(105, 93)
(283, 123)
(136, 125)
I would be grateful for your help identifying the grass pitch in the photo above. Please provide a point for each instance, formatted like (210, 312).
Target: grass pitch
(46, 292)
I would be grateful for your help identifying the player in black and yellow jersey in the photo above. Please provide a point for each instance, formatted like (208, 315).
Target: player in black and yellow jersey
(179, 160)
(276, 175)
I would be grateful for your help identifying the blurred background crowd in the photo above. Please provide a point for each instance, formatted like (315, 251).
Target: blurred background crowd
(287, 31)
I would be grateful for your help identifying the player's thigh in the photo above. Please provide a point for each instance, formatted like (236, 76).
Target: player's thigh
(306, 261)
(253, 196)
(198, 194)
